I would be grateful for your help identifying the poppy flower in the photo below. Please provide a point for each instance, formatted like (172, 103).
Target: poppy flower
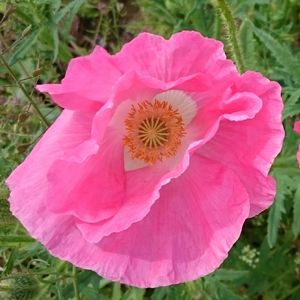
(160, 154)
(297, 129)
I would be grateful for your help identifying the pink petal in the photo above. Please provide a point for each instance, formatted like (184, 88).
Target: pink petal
(171, 59)
(69, 130)
(92, 186)
(89, 186)
(241, 106)
(250, 147)
(297, 126)
(162, 224)
(87, 84)
(151, 179)
(187, 233)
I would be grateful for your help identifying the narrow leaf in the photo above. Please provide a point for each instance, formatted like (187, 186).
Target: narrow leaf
(71, 9)
(23, 48)
(291, 110)
(230, 275)
(276, 212)
(280, 52)
(296, 217)
(247, 43)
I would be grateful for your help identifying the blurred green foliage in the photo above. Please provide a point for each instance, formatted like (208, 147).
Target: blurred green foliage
(37, 39)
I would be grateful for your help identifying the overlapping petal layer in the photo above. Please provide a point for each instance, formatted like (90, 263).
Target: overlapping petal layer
(96, 190)
(169, 60)
(29, 183)
(87, 84)
(250, 147)
(151, 225)
(187, 233)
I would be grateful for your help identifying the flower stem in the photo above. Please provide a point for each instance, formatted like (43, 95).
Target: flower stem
(231, 28)
(14, 77)
(75, 283)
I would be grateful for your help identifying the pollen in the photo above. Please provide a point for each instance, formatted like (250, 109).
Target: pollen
(154, 131)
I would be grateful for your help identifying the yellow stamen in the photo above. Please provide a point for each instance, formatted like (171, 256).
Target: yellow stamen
(154, 131)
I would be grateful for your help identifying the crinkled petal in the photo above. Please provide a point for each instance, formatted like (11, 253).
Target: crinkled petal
(159, 224)
(87, 84)
(187, 233)
(168, 60)
(242, 106)
(150, 179)
(26, 182)
(89, 187)
(93, 186)
(250, 147)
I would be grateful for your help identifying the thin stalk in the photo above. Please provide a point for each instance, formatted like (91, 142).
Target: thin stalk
(20, 85)
(94, 42)
(230, 25)
(75, 283)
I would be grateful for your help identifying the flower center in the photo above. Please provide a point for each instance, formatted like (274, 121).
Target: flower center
(154, 131)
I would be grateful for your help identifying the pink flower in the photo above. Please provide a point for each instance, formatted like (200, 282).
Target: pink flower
(161, 153)
(297, 129)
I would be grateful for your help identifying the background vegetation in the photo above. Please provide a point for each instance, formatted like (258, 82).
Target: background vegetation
(38, 38)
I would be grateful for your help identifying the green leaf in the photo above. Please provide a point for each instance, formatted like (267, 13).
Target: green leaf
(284, 186)
(90, 293)
(247, 43)
(159, 293)
(291, 110)
(134, 294)
(23, 48)
(294, 98)
(71, 9)
(274, 219)
(10, 263)
(296, 216)
(58, 291)
(224, 293)
(230, 275)
(117, 294)
(291, 103)
(280, 52)
(56, 43)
